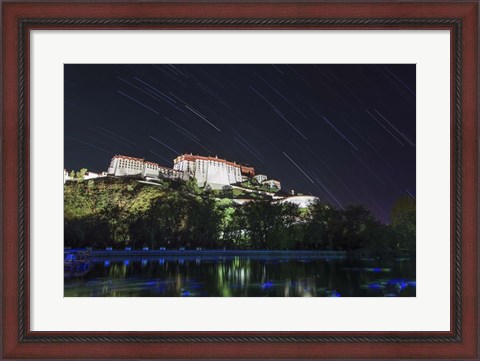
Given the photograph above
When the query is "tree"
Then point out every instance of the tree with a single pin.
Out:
(117, 220)
(113, 211)
(206, 221)
(324, 227)
(192, 186)
(357, 225)
(403, 222)
(287, 230)
(226, 192)
(380, 239)
(270, 225)
(316, 233)
(81, 174)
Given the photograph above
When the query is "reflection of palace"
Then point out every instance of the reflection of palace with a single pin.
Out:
(209, 172)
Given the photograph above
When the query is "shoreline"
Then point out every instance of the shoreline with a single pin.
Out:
(218, 253)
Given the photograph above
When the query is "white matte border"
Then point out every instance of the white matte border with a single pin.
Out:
(429, 311)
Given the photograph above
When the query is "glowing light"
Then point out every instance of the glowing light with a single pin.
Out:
(267, 284)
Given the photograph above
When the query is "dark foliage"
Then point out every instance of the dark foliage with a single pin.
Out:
(124, 212)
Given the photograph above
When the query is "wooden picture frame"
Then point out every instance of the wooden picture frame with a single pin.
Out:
(460, 18)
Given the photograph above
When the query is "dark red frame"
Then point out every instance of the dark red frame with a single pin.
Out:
(23, 344)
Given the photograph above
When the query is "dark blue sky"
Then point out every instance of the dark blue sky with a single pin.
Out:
(345, 133)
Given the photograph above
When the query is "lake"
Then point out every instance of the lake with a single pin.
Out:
(244, 276)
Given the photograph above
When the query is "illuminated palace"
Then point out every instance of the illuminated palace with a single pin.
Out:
(209, 172)
(122, 166)
(212, 172)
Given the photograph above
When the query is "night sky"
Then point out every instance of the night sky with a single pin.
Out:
(344, 133)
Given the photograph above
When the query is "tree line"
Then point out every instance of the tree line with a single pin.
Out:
(118, 212)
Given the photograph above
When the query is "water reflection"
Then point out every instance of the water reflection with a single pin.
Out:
(243, 276)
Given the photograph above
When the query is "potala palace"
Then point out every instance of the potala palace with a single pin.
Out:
(209, 172)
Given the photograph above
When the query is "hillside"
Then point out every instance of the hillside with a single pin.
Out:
(119, 212)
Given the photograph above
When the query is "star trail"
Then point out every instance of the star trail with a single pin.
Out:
(344, 133)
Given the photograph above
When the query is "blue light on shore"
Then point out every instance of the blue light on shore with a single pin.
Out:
(376, 270)
(334, 294)
(267, 284)
(376, 286)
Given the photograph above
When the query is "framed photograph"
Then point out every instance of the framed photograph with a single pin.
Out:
(240, 180)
